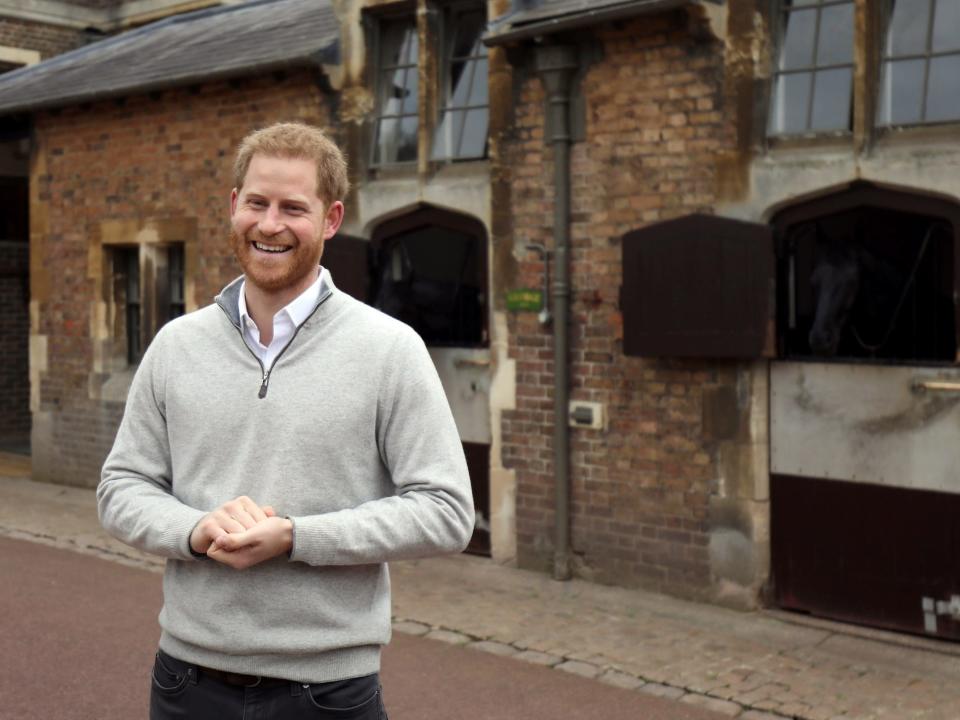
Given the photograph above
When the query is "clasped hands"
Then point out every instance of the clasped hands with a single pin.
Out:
(240, 534)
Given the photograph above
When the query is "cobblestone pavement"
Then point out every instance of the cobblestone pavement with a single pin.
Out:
(754, 666)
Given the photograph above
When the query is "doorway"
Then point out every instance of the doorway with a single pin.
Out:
(430, 271)
(864, 405)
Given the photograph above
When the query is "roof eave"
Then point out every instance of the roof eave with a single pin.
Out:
(581, 19)
(318, 59)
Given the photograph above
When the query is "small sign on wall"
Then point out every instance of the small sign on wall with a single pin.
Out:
(524, 300)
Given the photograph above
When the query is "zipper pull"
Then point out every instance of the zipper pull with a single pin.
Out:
(263, 386)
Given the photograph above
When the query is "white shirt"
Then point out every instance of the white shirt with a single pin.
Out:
(285, 322)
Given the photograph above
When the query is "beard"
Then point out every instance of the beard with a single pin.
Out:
(287, 270)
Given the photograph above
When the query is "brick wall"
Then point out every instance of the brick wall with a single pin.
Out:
(166, 156)
(640, 490)
(14, 333)
(48, 40)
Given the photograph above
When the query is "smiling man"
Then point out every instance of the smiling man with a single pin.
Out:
(278, 447)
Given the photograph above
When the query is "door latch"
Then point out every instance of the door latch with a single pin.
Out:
(933, 607)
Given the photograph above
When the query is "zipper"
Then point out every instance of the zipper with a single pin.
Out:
(265, 374)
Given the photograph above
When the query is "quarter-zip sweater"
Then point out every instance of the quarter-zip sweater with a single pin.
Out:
(348, 433)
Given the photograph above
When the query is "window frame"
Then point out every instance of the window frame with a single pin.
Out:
(444, 40)
(871, 19)
(882, 59)
(143, 303)
(777, 12)
(376, 22)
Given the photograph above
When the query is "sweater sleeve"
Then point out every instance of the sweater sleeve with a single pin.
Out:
(432, 509)
(135, 496)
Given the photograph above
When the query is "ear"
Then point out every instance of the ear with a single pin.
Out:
(334, 219)
(234, 195)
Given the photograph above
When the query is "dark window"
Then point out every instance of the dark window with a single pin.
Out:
(868, 274)
(920, 73)
(177, 305)
(126, 295)
(464, 100)
(395, 138)
(431, 274)
(813, 75)
(14, 222)
(148, 290)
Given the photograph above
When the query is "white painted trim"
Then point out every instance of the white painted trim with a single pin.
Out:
(18, 56)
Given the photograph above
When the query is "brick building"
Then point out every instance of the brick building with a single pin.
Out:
(678, 167)
(30, 33)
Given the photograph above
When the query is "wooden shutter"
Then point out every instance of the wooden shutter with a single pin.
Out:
(348, 260)
(698, 286)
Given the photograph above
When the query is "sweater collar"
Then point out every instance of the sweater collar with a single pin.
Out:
(229, 297)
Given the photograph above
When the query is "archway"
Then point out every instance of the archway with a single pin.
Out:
(864, 402)
(430, 271)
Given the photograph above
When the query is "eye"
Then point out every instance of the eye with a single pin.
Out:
(256, 202)
(295, 209)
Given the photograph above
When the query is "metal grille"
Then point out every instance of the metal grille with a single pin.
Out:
(462, 132)
(813, 77)
(920, 75)
(397, 93)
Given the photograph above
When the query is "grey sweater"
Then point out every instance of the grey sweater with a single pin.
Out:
(353, 440)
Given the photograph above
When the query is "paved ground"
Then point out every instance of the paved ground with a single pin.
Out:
(755, 666)
(85, 629)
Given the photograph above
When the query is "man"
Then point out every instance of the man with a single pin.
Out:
(278, 447)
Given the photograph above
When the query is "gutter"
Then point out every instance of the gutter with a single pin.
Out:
(557, 65)
(578, 20)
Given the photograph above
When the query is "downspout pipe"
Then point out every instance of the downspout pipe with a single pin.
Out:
(556, 65)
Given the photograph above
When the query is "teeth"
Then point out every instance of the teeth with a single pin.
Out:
(270, 248)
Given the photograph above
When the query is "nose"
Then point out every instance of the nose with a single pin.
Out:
(823, 341)
(270, 223)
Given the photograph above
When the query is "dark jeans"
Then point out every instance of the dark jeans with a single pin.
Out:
(181, 690)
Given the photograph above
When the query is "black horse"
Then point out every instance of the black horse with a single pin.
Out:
(866, 305)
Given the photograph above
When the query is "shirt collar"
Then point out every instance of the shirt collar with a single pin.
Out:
(299, 308)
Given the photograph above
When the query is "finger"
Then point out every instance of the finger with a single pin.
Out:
(257, 514)
(244, 517)
(228, 522)
(233, 541)
(269, 511)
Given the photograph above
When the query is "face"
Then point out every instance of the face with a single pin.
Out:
(279, 225)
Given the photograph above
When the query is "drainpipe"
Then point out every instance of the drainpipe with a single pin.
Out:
(556, 65)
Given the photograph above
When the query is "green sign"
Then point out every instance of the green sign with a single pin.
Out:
(524, 300)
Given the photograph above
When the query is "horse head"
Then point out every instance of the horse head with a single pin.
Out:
(835, 282)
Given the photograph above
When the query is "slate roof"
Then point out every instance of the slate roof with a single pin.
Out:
(543, 17)
(199, 46)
